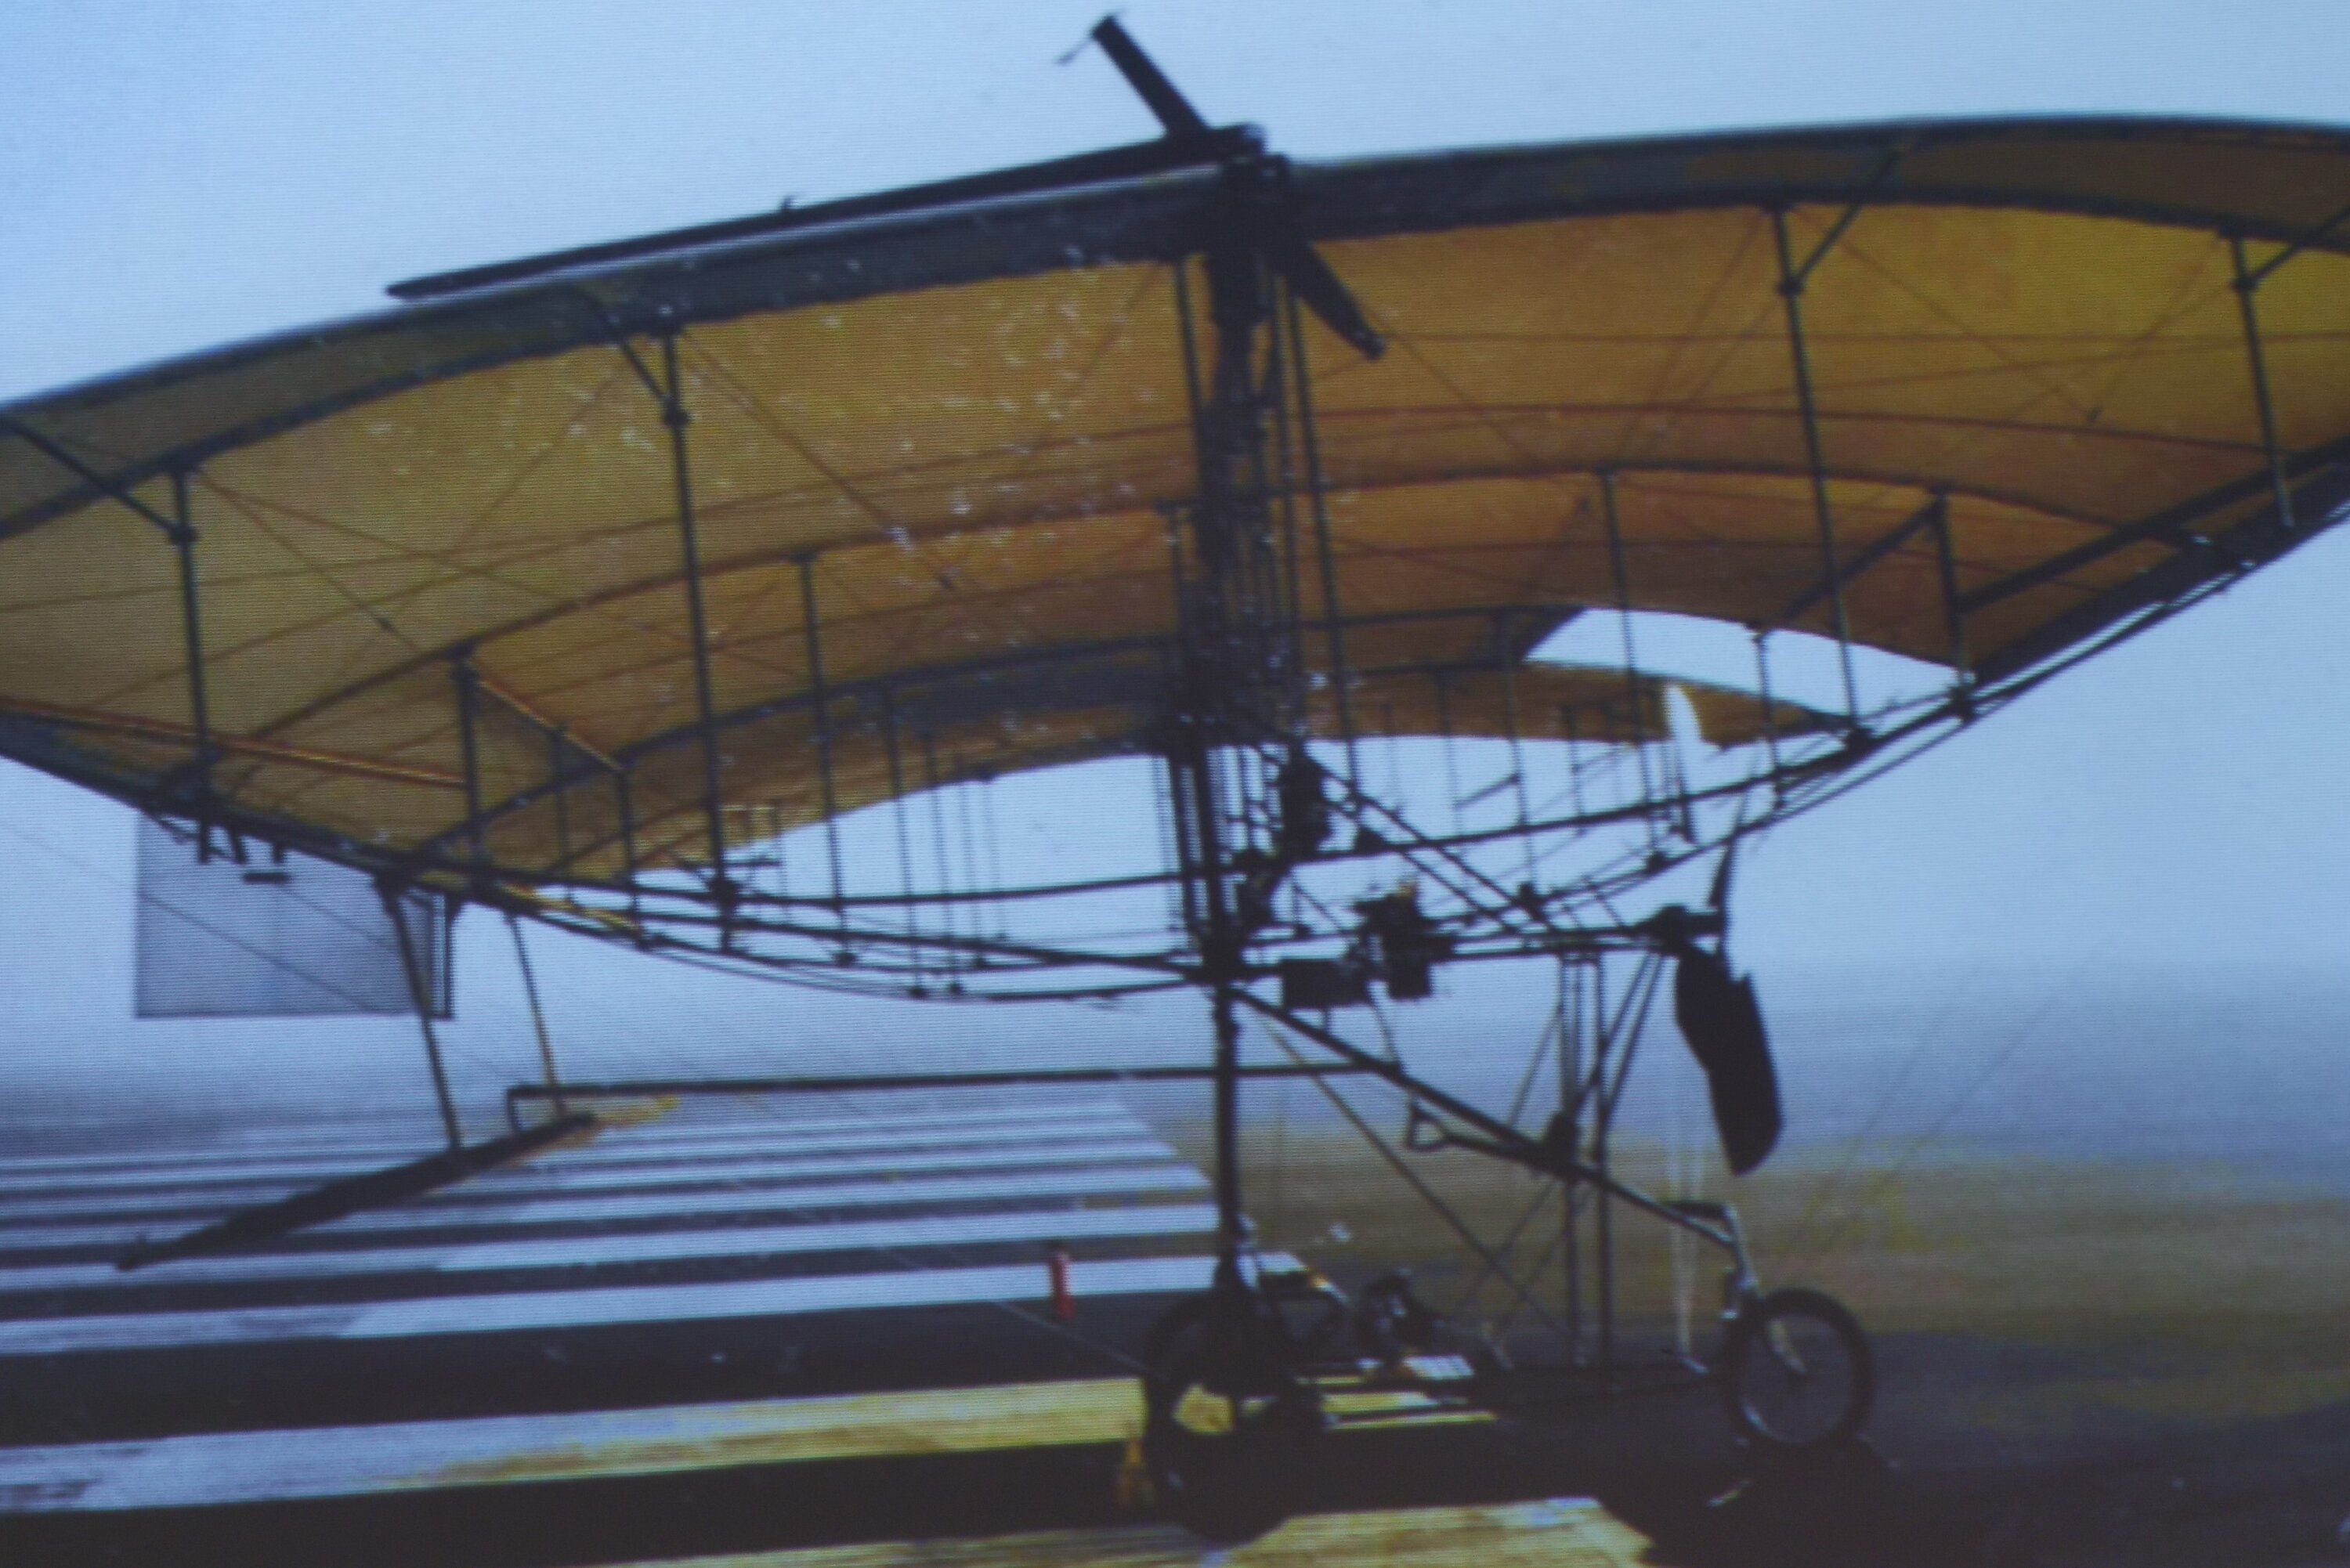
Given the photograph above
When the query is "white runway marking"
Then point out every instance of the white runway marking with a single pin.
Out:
(592, 1308)
(1079, 1183)
(666, 1246)
(196, 1175)
(746, 1173)
(327, 1159)
(850, 1213)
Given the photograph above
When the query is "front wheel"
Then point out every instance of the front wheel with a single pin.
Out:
(1796, 1371)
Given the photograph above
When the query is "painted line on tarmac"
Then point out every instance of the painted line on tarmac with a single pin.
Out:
(656, 1247)
(440, 1316)
(611, 1142)
(495, 1186)
(987, 1188)
(202, 1171)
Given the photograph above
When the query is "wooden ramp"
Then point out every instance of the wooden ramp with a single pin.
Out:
(1560, 1532)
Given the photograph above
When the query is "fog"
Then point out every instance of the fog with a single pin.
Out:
(2139, 875)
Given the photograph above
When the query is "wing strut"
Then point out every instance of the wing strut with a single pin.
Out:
(266, 1222)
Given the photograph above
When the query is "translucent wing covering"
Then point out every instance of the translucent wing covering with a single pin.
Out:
(1975, 394)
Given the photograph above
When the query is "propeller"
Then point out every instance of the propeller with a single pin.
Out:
(1722, 1022)
(1301, 266)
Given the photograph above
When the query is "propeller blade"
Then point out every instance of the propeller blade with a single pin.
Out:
(1318, 289)
(1298, 262)
(1722, 1022)
(1307, 275)
(1143, 75)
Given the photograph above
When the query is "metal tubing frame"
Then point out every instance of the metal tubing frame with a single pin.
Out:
(822, 709)
(562, 788)
(1621, 572)
(466, 684)
(182, 536)
(655, 1088)
(624, 801)
(1792, 283)
(890, 755)
(2246, 285)
(1954, 609)
(939, 846)
(1623, 1039)
(422, 1000)
(1770, 707)
(1570, 725)
(537, 1017)
(1517, 766)
(1570, 1122)
(1933, 514)
(1493, 1136)
(671, 389)
(1217, 613)
(1334, 625)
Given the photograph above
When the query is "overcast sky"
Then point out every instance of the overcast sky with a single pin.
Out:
(178, 176)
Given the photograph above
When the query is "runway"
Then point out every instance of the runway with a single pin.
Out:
(764, 1327)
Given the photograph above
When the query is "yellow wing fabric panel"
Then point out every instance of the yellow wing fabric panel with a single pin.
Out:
(978, 476)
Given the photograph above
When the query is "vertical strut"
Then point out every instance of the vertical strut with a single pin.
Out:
(1570, 1128)
(971, 879)
(1518, 767)
(818, 698)
(537, 1016)
(624, 800)
(2246, 285)
(1762, 690)
(1444, 728)
(1278, 372)
(192, 633)
(939, 844)
(1954, 609)
(1187, 868)
(1572, 727)
(420, 997)
(1333, 623)
(1791, 292)
(898, 821)
(1622, 573)
(468, 688)
(992, 827)
(1220, 954)
(1231, 608)
(562, 797)
(675, 415)
(1604, 1214)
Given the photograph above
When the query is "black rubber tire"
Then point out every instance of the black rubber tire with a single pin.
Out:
(1745, 1342)
(1229, 1486)
(1159, 1345)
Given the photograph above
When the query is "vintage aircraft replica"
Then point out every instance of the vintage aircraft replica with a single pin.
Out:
(569, 587)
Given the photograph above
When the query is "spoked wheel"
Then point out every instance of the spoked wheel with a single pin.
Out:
(1226, 1423)
(1796, 1371)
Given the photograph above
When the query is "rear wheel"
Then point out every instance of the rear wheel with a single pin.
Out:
(1227, 1424)
(1796, 1371)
